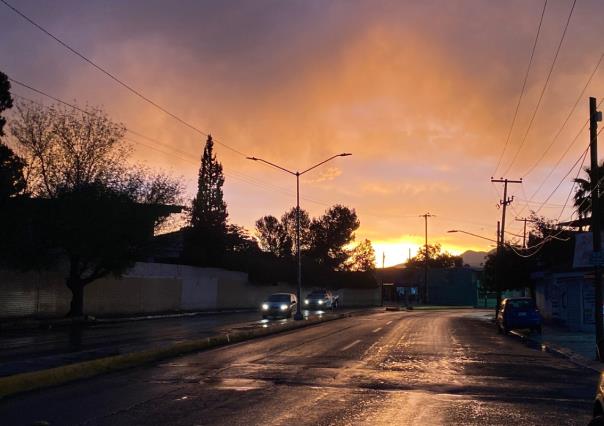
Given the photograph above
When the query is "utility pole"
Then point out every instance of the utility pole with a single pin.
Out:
(504, 203)
(524, 219)
(594, 117)
(382, 284)
(426, 257)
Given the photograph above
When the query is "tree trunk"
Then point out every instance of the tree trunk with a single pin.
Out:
(77, 297)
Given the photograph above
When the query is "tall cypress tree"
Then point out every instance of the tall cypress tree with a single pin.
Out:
(208, 213)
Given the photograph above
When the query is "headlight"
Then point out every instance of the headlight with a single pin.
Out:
(265, 307)
(284, 307)
(306, 301)
(320, 302)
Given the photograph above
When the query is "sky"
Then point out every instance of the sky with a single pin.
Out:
(422, 94)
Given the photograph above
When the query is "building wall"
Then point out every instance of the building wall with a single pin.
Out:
(149, 288)
(566, 299)
(453, 287)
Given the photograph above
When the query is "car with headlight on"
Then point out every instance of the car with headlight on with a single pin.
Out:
(279, 305)
(321, 299)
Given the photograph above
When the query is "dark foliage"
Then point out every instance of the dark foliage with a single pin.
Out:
(6, 101)
(436, 258)
(205, 241)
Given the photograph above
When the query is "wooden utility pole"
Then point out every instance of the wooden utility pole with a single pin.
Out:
(504, 203)
(426, 257)
(594, 117)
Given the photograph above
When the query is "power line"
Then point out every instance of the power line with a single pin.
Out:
(581, 157)
(117, 79)
(549, 74)
(528, 69)
(182, 155)
(570, 113)
(566, 151)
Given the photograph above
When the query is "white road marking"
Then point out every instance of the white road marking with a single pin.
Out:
(376, 330)
(389, 322)
(356, 342)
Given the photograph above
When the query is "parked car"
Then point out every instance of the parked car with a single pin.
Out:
(279, 305)
(517, 313)
(321, 299)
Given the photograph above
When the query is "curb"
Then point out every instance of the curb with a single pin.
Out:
(19, 383)
(573, 357)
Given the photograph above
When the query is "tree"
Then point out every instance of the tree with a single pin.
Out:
(272, 237)
(362, 257)
(91, 209)
(6, 101)
(582, 194)
(289, 224)
(12, 180)
(507, 271)
(205, 242)
(436, 258)
(330, 234)
(66, 148)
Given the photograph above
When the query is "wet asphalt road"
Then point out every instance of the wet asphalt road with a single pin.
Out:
(420, 368)
(23, 351)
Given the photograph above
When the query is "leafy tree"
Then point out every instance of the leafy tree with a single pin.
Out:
(6, 101)
(272, 237)
(436, 258)
(12, 180)
(330, 234)
(92, 209)
(507, 271)
(362, 257)
(289, 224)
(582, 194)
(238, 240)
(205, 241)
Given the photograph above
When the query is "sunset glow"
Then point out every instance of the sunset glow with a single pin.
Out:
(422, 97)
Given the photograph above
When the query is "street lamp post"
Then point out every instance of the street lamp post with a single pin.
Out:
(297, 174)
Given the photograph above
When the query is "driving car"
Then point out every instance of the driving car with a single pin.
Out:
(279, 305)
(321, 299)
(518, 313)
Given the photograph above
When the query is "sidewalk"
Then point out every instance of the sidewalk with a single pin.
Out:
(577, 346)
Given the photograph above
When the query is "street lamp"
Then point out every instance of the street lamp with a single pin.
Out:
(297, 174)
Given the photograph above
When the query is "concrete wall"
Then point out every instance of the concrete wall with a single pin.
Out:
(148, 288)
(566, 299)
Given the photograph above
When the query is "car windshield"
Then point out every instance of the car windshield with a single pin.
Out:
(520, 304)
(279, 298)
(317, 294)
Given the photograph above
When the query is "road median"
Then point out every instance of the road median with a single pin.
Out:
(23, 382)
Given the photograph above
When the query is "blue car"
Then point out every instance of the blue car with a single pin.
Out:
(517, 313)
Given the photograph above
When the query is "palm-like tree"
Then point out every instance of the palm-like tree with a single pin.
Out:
(583, 192)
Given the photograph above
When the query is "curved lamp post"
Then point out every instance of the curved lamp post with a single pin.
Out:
(297, 174)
